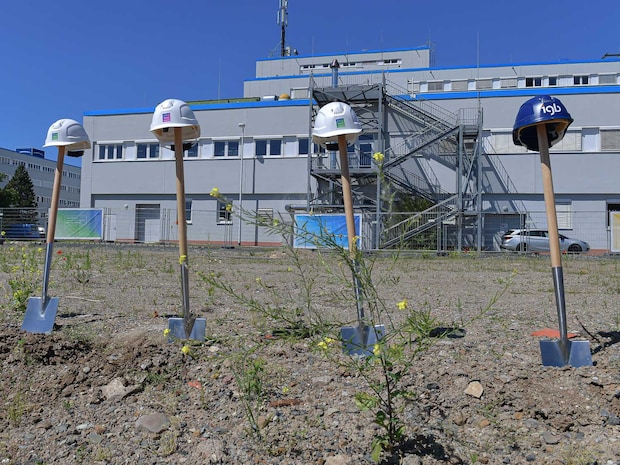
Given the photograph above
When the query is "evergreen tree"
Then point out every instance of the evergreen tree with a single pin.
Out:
(25, 200)
(7, 195)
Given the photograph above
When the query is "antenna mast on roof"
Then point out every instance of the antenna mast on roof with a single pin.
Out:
(283, 22)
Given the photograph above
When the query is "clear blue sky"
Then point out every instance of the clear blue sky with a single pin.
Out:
(64, 57)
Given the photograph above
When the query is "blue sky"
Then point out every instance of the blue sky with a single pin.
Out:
(64, 57)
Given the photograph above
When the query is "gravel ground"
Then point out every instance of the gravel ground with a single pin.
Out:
(107, 387)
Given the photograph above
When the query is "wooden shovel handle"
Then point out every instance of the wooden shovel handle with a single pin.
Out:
(552, 219)
(51, 223)
(181, 219)
(346, 192)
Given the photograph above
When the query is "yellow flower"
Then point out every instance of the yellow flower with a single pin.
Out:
(376, 350)
(166, 331)
(3, 233)
(325, 342)
(182, 259)
(186, 350)
(215, 192)
(285, 389)
(403, 304)
(378, 157)
(228, 207)
(258, 280)
(276, 222)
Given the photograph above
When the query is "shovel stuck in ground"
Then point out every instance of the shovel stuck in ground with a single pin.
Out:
(174, 123)
(69, 136)
(188, 327)
(541, 122)
(359, 339)
(337, 123)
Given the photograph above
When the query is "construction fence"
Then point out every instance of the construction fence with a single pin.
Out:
(466, 232)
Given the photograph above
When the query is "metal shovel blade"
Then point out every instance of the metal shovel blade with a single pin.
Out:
(360, 340)
(177, 329)
(577, 353)
(40, 315)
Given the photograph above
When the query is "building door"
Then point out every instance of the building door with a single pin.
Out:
(148, 222)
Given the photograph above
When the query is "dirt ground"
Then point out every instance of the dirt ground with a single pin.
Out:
(108, 387)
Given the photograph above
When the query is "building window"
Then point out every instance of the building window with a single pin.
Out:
(365, 142)
(553, 80)
(533, 82)
(304, 146)
(610, 140)
(275, 147)
(192, 151)
(484, 84)
(188, 211)
(608, 79)
(224, 213)
(580, 80)
(233, 148)
(459, 86)
(435, 86)
(265, 215)
(111, 152)
(147, 151)
(219, 148)
(571, 142)
(270, 147)
(261, 148)
(564, 214)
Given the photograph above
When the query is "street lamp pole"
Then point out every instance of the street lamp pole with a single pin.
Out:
(242, 126)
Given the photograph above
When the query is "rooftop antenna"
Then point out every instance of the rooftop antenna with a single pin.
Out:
(283, 22)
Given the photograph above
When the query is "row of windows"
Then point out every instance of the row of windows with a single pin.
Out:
(225, 213)
(206, 148)
(462, 85)
(577, 140)
(352, 64)
(42, 200)
(37, 167)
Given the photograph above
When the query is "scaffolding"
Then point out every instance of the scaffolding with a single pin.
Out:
(416, 137)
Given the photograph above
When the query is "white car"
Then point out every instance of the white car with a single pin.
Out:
(537, 240)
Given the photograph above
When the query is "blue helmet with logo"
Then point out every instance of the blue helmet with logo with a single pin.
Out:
(545, 110)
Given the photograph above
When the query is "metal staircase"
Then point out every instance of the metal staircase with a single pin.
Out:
(425, 137)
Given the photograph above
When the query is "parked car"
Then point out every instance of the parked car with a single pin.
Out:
(537, 240)
(24, 231)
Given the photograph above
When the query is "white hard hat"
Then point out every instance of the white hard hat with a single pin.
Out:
(333, 120)
(173, 113)
(67, 133)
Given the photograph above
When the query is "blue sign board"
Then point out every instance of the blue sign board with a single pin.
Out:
(324, 231)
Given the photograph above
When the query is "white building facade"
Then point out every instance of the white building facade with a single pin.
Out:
(470, 158)
(41, 172)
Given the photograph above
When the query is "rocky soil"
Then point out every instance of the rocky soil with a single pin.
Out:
(107, 387)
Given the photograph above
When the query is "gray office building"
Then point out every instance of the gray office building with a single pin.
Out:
(445, 135)
(41, 171)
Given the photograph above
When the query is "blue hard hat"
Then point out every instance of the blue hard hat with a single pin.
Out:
(545, 110)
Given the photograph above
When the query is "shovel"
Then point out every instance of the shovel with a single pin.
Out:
(41, 311)
(359, 339)
(563, 351)
(188, 327)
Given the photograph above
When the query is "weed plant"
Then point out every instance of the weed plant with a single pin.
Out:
(384, 367)
(23, 264)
